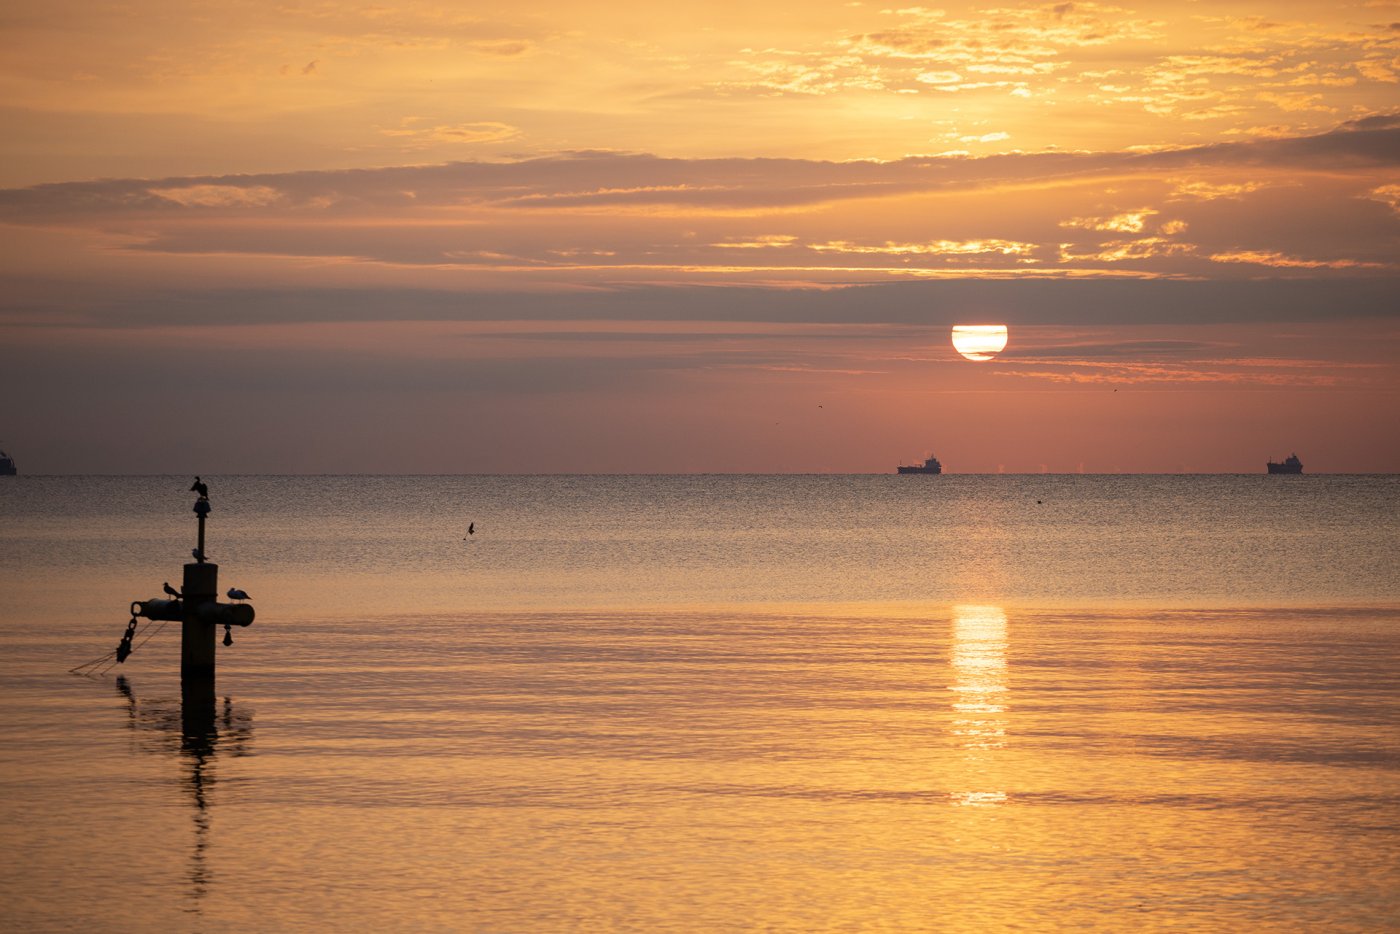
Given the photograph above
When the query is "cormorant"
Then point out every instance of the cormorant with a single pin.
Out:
(201, 488)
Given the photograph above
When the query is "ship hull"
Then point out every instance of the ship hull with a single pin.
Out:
(1285, 468)
(920, 469)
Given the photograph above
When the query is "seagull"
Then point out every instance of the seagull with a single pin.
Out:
(197, 554)
(200, 487)
(172, 591)
(235, 594)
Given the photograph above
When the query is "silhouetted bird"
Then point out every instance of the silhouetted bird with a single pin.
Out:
(235, 594)
(471, 528)
(172, 591)
(197, 554)
(200, 487)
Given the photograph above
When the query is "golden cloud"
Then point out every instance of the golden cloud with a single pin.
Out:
(219, 196)
(1126, 222)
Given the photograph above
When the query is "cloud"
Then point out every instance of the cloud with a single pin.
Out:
(612, 220)
(942, 302)
(762, 242)
(1209, 191)
(1127, 222)
(1083, 372)
(1118, 251)
(935, 248)
(482, 132)
(605, 177)
(1388, 195)
(219, 196)
(1115, 349)
(1279, 260)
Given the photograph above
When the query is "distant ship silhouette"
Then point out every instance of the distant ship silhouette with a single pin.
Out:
(1290, 465)
(929, 466)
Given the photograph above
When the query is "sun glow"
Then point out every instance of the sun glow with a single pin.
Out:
(979, 342)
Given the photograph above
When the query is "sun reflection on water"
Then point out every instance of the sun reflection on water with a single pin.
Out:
(980, 693)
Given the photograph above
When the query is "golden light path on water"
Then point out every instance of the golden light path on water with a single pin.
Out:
(978, 654)
(980, 342)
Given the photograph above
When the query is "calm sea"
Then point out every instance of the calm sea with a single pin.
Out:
(710, 703)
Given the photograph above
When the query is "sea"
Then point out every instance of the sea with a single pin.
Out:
(707, 703)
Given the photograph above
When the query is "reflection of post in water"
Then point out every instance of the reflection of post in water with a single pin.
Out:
(199, 738)
(198, 731)
(980, 693)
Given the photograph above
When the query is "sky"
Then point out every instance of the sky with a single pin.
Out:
(690, 237)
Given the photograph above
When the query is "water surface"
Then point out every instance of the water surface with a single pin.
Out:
(711, 703)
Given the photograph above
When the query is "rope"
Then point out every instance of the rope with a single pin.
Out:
(78, 670)
(100, 666)
(149, 637)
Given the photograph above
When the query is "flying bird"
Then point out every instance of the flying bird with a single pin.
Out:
(200, 487)
(471, 528)
(235, 594)
(172, 591)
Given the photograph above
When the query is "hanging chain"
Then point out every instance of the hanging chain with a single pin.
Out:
(124, 647)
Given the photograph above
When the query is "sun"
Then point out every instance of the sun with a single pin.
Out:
(979, 342)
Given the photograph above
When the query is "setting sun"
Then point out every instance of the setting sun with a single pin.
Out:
(979, 342)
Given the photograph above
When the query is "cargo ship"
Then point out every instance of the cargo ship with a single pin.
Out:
(929, 466)
(1290, 465)
(7, 465)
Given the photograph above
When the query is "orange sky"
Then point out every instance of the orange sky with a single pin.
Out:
(631, 237)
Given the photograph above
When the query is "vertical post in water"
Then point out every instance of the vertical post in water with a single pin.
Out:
(197, 641)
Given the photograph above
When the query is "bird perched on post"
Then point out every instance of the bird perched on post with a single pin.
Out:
(197, 555)
(200, 487)
(172, 591)
(235, 594)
